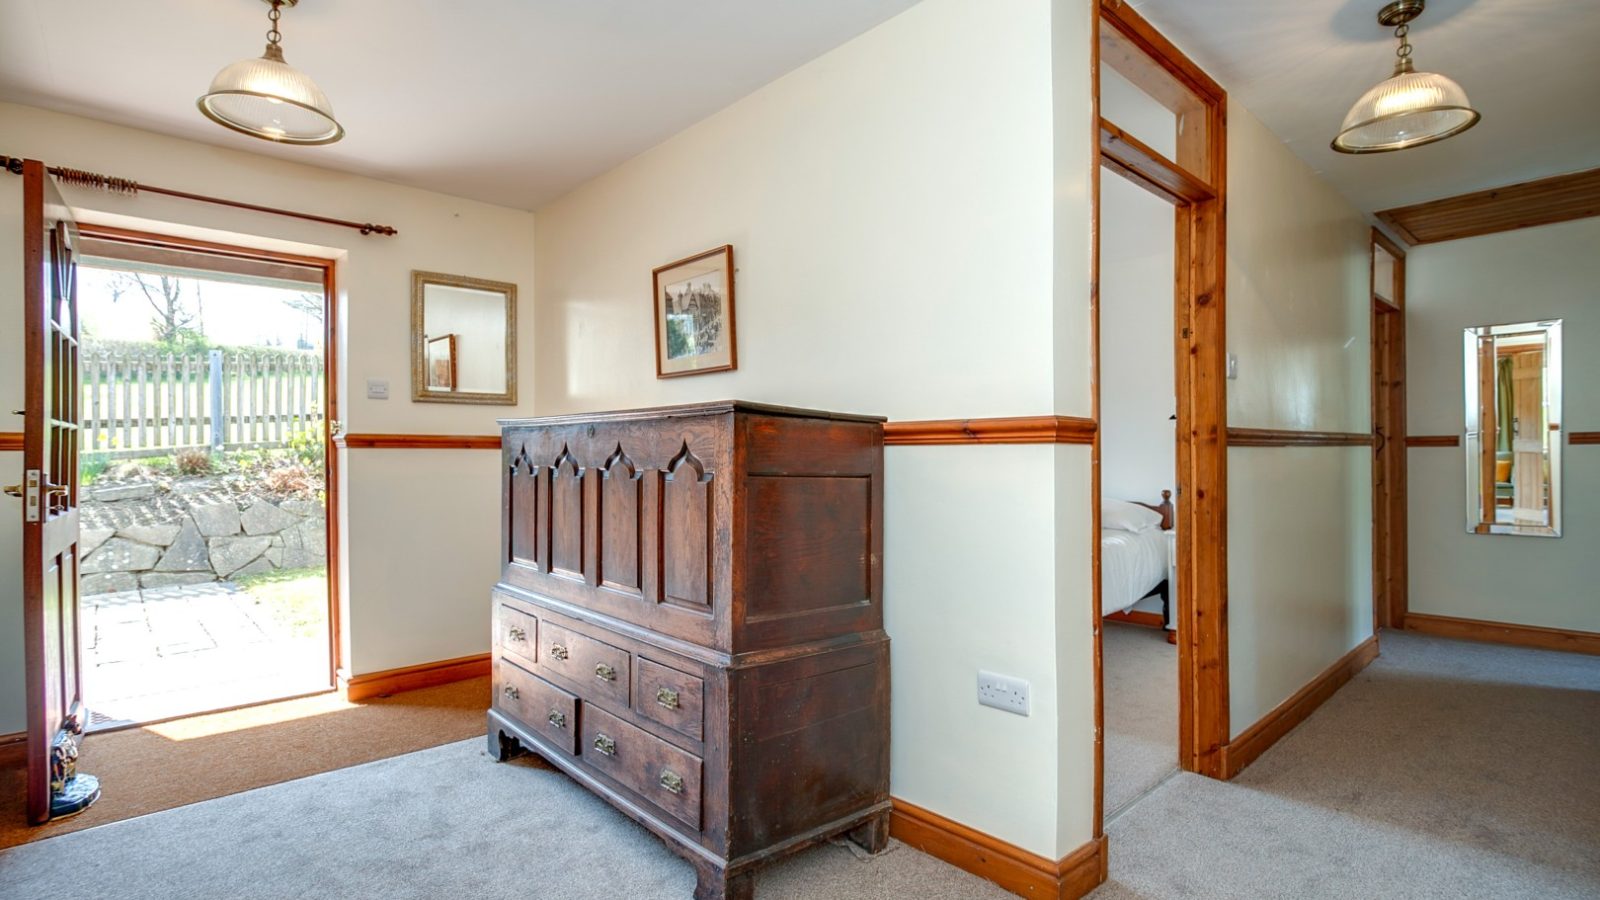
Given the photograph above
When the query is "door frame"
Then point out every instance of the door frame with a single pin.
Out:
(1390, 556)
(1200, 352)
(330, 399)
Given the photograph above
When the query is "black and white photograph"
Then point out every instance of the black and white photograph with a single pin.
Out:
(694, 314)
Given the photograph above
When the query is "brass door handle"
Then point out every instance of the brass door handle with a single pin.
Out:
(667, 698)
(672, 781)
(14, 490)
(605, 745)
(605, 672)
(558, 652)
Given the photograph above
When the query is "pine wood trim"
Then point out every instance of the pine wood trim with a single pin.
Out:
(1017, 430)
(1150, 169)
(1276, 437)
(14, 750)
(11, 441)
(1433, 440)
(1505, 633)
(1137, 617)
(417, 441)
(1017, 870)
(1254, 741)
(1583, 437)
(1560, 198)
(409, 678)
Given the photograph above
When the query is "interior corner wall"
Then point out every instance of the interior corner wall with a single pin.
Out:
(1533, 274)
(891, 211)
(394, 614)
(1299, 519)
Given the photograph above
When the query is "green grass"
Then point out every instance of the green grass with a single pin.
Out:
(296, 597)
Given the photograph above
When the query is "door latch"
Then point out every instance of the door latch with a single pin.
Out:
(28, 490)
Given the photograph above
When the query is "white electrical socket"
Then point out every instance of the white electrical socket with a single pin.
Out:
(377, 388)
(1002, 692)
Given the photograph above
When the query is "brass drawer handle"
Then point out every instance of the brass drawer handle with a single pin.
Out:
(511, 692)
(557, 719)
(605, 672)
(517, 634)
(672, 781)
(558, 652)
(605, 745)
(667, 698)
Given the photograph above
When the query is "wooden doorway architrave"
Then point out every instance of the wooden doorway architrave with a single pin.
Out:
(1389, 546)
(331, 394)
(1198, 193)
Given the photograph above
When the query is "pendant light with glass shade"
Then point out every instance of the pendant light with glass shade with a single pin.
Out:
(267, 98)
(1410, 108)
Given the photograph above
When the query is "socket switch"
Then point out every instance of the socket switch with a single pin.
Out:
(1002, 692)
(377, 388)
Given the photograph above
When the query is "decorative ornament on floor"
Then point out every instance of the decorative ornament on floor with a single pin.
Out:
(1410, 108)
(267, 98)
(71, 792)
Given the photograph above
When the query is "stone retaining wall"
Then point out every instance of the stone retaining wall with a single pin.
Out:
(200, 542)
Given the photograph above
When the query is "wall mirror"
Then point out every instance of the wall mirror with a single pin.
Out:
(463, 339)
(1513, 439)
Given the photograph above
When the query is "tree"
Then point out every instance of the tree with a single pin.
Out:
(174, 319)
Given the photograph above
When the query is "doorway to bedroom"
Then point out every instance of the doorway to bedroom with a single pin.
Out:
(1160, 401)
(1138, 479)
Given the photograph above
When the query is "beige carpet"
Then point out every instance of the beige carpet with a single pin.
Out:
(1445, 770)
(184, 761)
(1141, 711)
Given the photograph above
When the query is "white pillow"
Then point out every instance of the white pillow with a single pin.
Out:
(1125, 516)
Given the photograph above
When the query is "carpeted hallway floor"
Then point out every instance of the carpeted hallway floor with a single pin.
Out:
(1446, 769)
(1141, 711)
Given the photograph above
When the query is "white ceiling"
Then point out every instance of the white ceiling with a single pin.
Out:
(507, 101)
(1531, 67)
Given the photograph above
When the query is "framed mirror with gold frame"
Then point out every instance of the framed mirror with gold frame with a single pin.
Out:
(463, 339)
(1512, 379)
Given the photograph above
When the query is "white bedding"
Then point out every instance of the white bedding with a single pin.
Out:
(1131, 566)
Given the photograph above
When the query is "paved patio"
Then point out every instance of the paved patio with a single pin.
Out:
(164, 652)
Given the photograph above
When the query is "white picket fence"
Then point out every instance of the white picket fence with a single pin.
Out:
(143, 402)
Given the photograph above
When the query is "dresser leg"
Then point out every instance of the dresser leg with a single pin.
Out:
(502, 746)
(715, 884)
(873, 834)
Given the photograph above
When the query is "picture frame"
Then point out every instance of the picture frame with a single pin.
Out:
(442, 363)
(693, 299)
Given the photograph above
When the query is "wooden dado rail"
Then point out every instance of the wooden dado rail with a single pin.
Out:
(1019, 430)
(417, 441)
(11, 440)
(1275, 437)
(1433, 440)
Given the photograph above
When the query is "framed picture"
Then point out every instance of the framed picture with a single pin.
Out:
(694, 315)
(442, 363)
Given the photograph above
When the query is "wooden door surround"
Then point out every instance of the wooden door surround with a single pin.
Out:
(1195, 183)
(1388, 323)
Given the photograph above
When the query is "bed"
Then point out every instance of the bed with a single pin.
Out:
(1134, 560)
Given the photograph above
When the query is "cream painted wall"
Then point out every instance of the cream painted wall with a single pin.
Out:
(394, 508)
(899, 251)
(1138, 387)
(1516, 276)
(1299, 520)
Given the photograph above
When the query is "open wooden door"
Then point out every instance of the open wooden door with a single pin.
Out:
(49, 491)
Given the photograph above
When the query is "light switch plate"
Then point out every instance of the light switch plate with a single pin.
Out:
(1233, 367)
(377, 388)
(1002, 692)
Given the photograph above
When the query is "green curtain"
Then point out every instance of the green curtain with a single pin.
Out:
(1505, 409)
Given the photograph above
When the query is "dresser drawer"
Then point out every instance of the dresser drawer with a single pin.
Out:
(670, 697)
(595, 669)
(517, 634)
(546, 709)
(651, 767)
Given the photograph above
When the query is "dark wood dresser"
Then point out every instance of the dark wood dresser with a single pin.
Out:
(689, 622)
